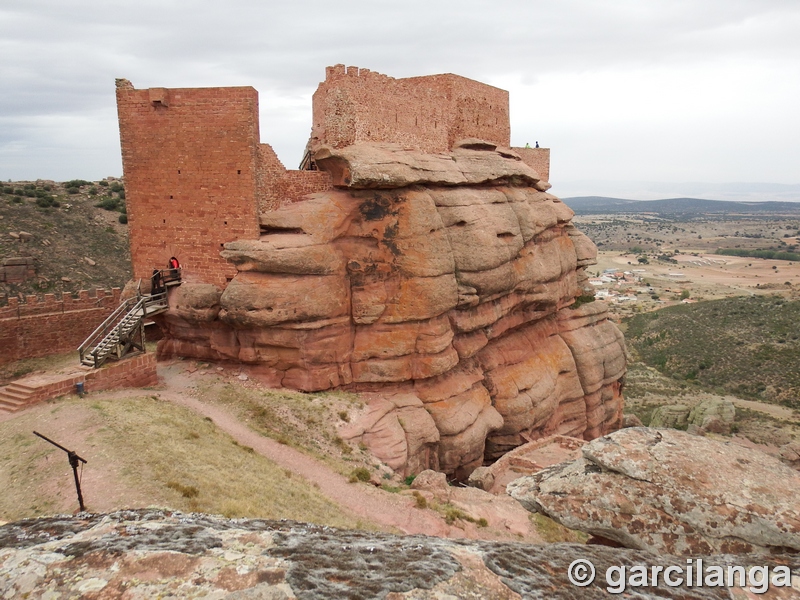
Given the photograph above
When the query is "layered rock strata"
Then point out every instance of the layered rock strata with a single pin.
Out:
(667, 491)
(445, 282)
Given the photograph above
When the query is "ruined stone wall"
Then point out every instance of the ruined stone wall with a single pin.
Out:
(17, 269)
(278, 185)
(269, 169)
(41, 327)
(426, 113)
(294, 185)
(190, 158)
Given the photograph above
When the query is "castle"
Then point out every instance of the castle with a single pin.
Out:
(414, 256)
(197, 174)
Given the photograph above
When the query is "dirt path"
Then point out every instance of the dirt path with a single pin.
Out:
(370, 504)
(375, 507)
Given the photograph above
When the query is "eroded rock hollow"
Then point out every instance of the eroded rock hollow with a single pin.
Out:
(446, 283)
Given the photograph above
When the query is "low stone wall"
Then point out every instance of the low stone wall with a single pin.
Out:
(136, 372)
(36, 327)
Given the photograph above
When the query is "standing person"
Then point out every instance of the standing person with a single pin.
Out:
(156, 283)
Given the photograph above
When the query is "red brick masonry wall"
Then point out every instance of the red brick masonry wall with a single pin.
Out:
(277, 185)
(136, 372)
(536, 158)
(428, 113)
(38, 328)
(190, 158)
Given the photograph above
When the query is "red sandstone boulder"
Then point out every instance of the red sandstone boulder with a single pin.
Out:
(380, 165)
(293, 254)
(260, 299)
(398, 431)
(450, 275)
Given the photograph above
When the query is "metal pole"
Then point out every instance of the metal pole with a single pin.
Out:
(74, 459)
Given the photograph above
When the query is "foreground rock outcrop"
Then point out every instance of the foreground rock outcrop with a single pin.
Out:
(443, 281)
(153, 553)
(670, 492)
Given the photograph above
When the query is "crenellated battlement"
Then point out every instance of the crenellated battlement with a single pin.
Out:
(33, 305)
(34, 326)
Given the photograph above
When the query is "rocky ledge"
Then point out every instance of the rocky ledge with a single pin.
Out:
(666, 491)
(156, 553)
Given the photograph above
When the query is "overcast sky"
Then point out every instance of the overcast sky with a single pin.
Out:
(636, 98)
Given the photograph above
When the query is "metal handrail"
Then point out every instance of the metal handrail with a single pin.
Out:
(110, 330)
(106, 326)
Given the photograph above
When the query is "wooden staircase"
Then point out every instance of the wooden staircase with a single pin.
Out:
(15, 396)
(122, 331)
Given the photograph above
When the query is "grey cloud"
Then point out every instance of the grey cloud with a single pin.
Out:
(61, 58)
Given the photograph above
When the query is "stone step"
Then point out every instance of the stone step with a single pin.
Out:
(21, 388)
(9, 406)
(14, 395)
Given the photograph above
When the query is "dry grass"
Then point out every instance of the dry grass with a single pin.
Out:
(554, 533)
(26, 366)
(306, 422)
(145, 452)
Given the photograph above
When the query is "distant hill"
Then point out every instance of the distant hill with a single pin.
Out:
(593, 205)
(75, 232)
(746, 346)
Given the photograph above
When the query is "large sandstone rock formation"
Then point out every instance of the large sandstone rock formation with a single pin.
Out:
(670, 492)
(156, 554)
(445, 282)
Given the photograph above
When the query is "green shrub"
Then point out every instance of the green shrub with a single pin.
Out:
(73, 190)
(108, 203)
(30, 193)
(19, 192)
(76, 183)
(123, 219)
(47, 201)
(117, 187)
(359, 474)
(104, 183)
